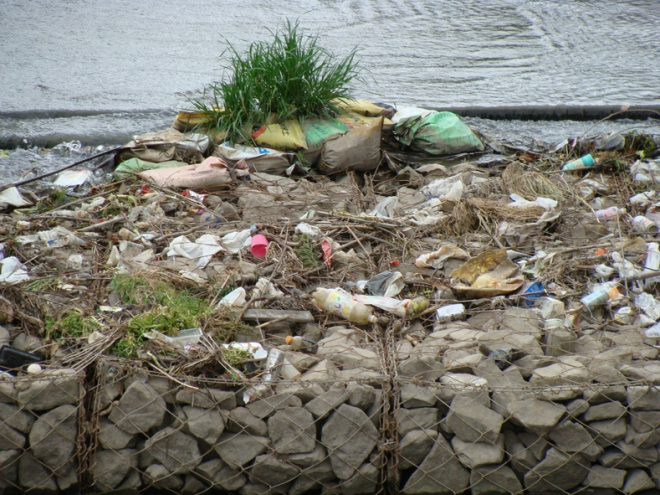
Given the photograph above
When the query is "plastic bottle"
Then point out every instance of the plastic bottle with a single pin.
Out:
(584, 162)
(609, 213)
(339, 302)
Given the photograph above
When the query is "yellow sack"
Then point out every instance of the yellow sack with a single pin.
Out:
(354, 119)
(362, 107)
(285, 136)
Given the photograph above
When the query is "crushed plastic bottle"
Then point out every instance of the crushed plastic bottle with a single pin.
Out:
(610, 213)
(341, 303)
(600, 296)
(404, 308)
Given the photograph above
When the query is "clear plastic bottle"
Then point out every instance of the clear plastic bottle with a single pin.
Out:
(339, 302)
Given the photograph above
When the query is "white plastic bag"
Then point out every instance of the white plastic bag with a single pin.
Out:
(13, 271)
(201, 251)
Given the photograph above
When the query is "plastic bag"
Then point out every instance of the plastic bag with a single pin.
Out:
(13, 271)
(287, 136)
(201, 251)
(439, 133)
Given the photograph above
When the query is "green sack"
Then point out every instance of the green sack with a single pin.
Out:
(439, 133)
(134, 166)
(318, 131)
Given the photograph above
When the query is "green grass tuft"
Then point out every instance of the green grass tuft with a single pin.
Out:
(72, 325)
(291, 77)
(170, 310)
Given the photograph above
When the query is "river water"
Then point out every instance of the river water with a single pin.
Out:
(99, 72)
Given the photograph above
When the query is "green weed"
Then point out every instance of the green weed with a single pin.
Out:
(290, 77)
(169, 310)
(70, 326)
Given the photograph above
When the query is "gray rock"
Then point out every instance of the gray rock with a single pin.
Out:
(307, 459)
(323, 373)
(536, 444)
(536, 415)
(321, 406)
(112, 437)
(364, 482)
(573, 438)
(304, 391)
(158, 476)
(655, 473)
(205, 424)
(576, 408)
(145, 459)
(237, 449)
(133, 481)
(220, 475)
(415, 446)
(175, 450)
(272, 471)
(139, 410)
(242, 421)
(207, 399)
(264, 408)
(4, 333)
(643, 397)
(362, 396)
(522, 458)
(416, 396)
(112, 466)
(163, 387)
(301, 361)
(313, 478)
(440, 473)
(637, 480)
(423, 418)
(645, 456)
(557, 471)
(350, 436)
(598, 393)
(8, 393)
(374, 412)
(605, 411)
(192, 486)
(494, 480)
(16, 418)
(561, 381)
(33, 475)
(476, 454)
(645, 421)
(424, 368)
(9, 467)
(51, 390)
(472, 422)
(10, 438)
(53, 436)
(292, 431)
(648, 439)
(602, 477)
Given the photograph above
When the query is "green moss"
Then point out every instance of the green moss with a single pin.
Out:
(307, 251)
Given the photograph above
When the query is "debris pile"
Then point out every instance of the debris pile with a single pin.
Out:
(354, 314)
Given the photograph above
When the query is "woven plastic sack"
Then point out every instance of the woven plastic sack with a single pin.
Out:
(438, 133)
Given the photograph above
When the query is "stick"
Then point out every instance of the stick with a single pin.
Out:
(48, 174)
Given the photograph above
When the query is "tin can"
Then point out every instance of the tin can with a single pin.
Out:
(583, 162)
(610, 213)
(643, 224)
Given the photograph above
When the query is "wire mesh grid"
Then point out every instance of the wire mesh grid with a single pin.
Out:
(42, 426)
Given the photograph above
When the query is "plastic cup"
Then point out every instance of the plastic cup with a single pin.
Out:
(259, 245)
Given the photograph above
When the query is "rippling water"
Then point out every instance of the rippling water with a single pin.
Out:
(102, 71)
